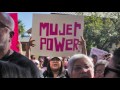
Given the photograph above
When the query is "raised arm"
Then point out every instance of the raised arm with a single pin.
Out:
(83, 44)
(28, 49)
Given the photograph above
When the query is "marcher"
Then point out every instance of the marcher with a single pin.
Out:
(55, 68)
(80, 66)
(100, 67)
(6, 54)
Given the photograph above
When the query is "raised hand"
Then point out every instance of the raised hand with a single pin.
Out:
(31, 42)
(83, 44)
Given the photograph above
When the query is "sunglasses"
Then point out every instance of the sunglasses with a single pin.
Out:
(107, 69)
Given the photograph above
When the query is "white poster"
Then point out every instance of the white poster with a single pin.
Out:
(56, 35)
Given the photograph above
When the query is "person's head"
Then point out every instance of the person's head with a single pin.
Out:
(100, 67)
(95, 58)
(32, 57)
(11, 70)
(55, 63)
(41, 59)
(113, 68)
(65, 62)
(46, 61)
(80, 66)
(6, 31)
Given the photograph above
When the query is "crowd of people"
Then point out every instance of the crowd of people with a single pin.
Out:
(16, 65)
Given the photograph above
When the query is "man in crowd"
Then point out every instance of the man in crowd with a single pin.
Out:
(6, 54)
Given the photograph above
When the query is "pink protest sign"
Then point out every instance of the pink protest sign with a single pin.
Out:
(14, 44)
(100, 53)
(56, 35)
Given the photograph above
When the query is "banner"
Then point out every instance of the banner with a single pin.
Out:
(100, 53)
(56, 35)
(14, 44)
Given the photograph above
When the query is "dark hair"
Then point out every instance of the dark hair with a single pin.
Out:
(11, 34)
(31, 68)
(48, 72)
(39, 58)
(117, 52)
(116, 60)
(32, 56)
(11, 70)
(94, 56)
(45, 63)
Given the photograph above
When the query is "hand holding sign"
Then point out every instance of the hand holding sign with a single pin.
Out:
(19, 46)
(31, 42)
(28, 53)
(83, 44)
(98, 52)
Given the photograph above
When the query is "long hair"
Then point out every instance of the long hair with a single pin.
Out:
(45, 63)
(49, 73)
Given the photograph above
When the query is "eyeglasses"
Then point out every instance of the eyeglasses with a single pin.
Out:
(107, 69)
(3, 26)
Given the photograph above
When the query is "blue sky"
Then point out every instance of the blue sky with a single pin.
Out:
(26, 18)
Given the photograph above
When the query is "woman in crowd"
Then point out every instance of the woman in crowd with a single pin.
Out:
(100, 67)
(41, 61)
(55, 69)
(45, 63)
(80, 66)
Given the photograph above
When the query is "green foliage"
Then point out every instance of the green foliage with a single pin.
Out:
(21, 27)
(101, 32)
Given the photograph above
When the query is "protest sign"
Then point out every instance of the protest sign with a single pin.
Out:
(56, 35)
(100, 53)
